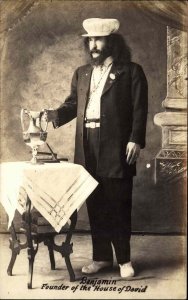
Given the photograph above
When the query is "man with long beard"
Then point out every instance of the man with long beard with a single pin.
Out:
(109, 99)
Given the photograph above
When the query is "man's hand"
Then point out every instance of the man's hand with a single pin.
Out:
(51, 115)
(132, 152)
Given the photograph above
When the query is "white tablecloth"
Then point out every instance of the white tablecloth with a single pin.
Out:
(56, 190)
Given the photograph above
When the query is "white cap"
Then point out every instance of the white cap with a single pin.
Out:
(100, 27)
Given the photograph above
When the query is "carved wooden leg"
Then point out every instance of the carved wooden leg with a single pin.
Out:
(70, 268)
(67, 244)
(73, 219)
(31, 252)
(31, 262)
(11, 263)
(49, 243)
(15, 247)
(66, 248)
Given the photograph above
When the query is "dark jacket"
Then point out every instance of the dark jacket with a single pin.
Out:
(124, 106)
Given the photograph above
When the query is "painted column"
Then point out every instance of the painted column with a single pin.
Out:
(170, 162)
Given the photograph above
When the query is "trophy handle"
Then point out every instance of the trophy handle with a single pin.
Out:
(40, 118)
(23, 111)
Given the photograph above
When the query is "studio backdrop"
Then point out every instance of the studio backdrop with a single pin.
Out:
(41, 46)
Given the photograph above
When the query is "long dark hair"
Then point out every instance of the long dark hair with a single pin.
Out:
(117, 46)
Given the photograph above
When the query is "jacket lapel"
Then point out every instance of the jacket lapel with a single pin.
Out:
(85, 82)
(113, 76)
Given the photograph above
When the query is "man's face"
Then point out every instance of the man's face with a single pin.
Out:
(98, 49)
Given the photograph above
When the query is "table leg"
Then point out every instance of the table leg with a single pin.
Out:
(73, 219)
(15, 246)
(31, 251)
(49, 242)
(70, 268)
(66, 248)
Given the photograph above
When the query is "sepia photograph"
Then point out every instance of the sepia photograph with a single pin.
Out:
(93, 171)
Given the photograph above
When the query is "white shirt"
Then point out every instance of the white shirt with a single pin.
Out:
(98, 80)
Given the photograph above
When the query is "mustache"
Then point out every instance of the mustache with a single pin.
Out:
(95, 51)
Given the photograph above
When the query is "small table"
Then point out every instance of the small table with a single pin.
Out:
(56, 191)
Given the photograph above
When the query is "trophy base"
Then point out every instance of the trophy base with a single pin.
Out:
(41, 157)
(36, 162)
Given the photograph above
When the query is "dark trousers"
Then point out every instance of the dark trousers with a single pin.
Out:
(109, 208)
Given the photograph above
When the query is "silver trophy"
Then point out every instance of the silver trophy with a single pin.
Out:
(34, 126)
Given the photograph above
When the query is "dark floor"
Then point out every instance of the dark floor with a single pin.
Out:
(158, 262)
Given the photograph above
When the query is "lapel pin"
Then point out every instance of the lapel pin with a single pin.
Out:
(112, 76)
